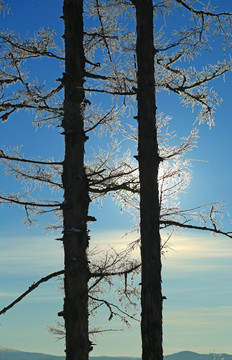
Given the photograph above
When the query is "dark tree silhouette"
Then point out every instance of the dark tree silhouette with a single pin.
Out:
(124, 70)
(75, 184)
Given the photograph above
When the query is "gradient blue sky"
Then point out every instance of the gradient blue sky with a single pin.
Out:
(197, 271)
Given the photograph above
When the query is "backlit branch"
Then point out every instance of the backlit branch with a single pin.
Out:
(3, 155)
(104, 273)
(201, 13)
(29, 48)
(195, 227)
(13, 199)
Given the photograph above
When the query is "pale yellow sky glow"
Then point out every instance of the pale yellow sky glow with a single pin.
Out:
(45, 252)
(197, 253)
(200, 246)
(197, 276)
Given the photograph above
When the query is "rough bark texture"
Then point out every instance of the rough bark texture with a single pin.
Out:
(75, 184)
(148, 157)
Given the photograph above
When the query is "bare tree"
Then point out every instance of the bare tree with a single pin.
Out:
(75, 184)
(148, 159)
(48, 108)
(107, 59)
(180, 81)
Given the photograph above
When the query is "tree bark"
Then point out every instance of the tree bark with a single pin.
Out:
(75, 206)
(148, 157)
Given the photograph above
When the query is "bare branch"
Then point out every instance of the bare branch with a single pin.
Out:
(202, 12)
(102, 120)
(195, 227)
(30, 289)
(12, 199)
(111, 306)
(114, 273)
(35, 52)
(123, 93)
(36, 162)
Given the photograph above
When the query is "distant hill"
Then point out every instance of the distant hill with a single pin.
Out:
(11, 354)
(189, 355)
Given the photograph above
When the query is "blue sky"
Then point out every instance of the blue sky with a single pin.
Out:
(197, 270)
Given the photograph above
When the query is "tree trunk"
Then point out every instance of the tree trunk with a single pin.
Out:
(75, 207)
(148, 157)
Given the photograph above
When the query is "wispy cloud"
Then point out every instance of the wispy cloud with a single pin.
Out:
(187, 254)
(7, 294)
(194, 254)
(30, 255)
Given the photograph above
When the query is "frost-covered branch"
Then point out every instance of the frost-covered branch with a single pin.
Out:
(3, 155)
(8, 199)
(202, 13)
